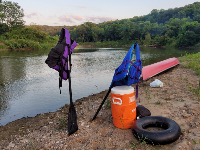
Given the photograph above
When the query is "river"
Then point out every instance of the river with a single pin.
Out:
(29, 87)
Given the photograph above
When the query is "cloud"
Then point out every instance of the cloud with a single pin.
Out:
(53, 16)
(65, 19)
(76, 17)
(31, 15)
(81, 6)
(99, 19)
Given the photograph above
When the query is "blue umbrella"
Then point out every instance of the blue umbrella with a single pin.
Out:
(127, 73)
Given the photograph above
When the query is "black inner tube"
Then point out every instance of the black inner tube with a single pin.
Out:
(156, 124)
(170, 133)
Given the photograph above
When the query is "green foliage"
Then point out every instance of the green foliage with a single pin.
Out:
(178, 27)
(11, 14)
(21, 43)
(189, 38)
(28, 38)
(3, 47)
(189, 34)
(3, 28)
(193, 62)
(198, 44)
(26, 33)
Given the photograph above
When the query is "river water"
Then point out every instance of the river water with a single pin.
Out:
(29, 87)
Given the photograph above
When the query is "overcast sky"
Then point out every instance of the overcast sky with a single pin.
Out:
(76, 12)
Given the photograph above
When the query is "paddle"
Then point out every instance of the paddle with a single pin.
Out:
(72, 116)
(103, 102)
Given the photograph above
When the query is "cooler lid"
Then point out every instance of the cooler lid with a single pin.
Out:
(121, 90)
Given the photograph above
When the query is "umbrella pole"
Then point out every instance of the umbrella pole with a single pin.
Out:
(109, 90)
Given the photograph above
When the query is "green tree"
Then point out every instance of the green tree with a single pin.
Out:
(3, 28)
(182, 14)
(97, 32)
(197, 18)
(160, 27)
(81, 31)
(11, 14)
(174, 26)
(189, 38)
(2, 15)
(189, 34)
(126, 31)
(147, 38)
(112, 31)
(144, 28)
(157, 29)
(88, 35)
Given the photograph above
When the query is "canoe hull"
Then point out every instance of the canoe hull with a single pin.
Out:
(156, 68)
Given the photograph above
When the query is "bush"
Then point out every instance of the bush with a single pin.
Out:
(29, 34)
(28, 38)
(21, 43)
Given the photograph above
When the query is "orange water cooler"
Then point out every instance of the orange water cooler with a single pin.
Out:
(123, 106)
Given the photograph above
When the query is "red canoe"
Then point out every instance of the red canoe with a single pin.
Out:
(154, 69)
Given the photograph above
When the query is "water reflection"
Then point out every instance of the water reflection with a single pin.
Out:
(28, 86)
(12, 69)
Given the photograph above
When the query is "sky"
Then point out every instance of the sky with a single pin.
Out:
(76, 12)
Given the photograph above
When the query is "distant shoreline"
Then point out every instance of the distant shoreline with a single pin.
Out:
(92, 45)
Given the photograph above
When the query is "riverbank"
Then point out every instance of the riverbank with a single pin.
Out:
(112, 44)
(176, 100)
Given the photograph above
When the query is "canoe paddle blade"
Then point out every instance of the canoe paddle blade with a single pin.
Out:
(72, 120)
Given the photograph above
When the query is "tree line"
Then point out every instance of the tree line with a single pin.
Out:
(178, 27)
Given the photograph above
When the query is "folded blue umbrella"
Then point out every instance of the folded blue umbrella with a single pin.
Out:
(127, 73)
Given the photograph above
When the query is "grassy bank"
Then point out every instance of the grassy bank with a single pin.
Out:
(27, 38)
(115, 44)
(192, 61)
(3, 46)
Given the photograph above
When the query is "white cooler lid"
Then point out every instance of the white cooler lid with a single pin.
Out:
(122, 90)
